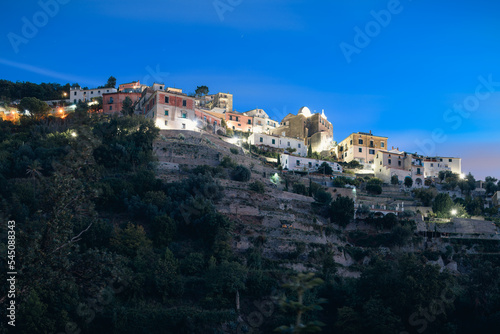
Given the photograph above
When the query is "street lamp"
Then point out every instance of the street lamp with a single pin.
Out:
(454, 212)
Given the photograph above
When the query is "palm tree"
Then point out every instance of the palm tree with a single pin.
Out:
(34, 171)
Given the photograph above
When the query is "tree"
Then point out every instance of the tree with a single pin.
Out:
(128, 107)
(111, 82)
(342, 211)
(325, 168)
(309, 151)
(442, 204)
(201, 90)
(37, 109)
(394, 180)
(299, 285)
(374, 186)
(241, 173)
(408, 182)
(425, 195)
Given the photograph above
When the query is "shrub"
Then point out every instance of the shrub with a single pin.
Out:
(181, 136)
(227, 162)
(375, 189)
(234, 150)
(394, 180)
(299, 188)
(258, 187)
(241, 173)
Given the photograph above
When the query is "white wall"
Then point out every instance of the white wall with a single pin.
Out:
(291, 162)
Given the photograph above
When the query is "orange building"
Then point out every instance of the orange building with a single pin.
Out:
(239, 122)
(113, 102)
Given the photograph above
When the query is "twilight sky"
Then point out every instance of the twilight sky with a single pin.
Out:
(424, 73)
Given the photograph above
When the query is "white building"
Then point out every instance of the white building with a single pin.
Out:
(433, 165)
(400, 164)
(293, 163)
(261, 121)
(77, 94)
(170, 110)
(286, 143)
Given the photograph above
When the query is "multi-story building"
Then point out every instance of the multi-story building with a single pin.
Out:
(401, 164)
(261, 121)
(238, 121)
(306, 125)
(113, 102)
(170, 109)
(277, 142)
(360, 146)
(290, 162)
(433, 165)
(77, 94)
(223, 100)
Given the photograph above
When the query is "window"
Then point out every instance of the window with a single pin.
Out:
(261, 139)
(288, 144)
(372, 152)
(239, 124)
(107, 91)
(98, 92)
(389, 161)
(299, 145)
(74, 94)
(110, 107)
(310, 164)
(399, 163)
(298, 162)
(92, 92)
(351, 141)
(111, 100)
(167, 100)
(237, 119)
(273, 141)
(432, 165)
(74, 101)
(166, 122)
(184, 103)
(249, 121)
(371, 143)
(166, 112)
(184, 115)
(360, 141)
(233, 127)
(183, 125)
(382, 144)
(360, 150)
(161, 87)
(449, 160)
(230, 117)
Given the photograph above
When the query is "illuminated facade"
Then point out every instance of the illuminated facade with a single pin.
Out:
(360, 146)
(170, 110)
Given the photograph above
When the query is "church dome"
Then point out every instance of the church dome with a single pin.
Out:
(304, 111)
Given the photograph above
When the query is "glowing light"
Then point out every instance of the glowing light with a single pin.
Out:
(61, 110)
(462, 176)
(275, 178)
(454, 212)
(74, 134)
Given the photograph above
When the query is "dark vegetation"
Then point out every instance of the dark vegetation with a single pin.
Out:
(103, 246)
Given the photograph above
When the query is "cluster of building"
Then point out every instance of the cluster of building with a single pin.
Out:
(170, 108)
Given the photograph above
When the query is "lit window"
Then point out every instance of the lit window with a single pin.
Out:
(372, 152)
(382, 144)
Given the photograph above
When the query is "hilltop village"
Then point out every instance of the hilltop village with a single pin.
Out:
(201, 210)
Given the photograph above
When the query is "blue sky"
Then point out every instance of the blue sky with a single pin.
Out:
(281, 55)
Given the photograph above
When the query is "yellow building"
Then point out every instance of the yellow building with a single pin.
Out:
(360, 146)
